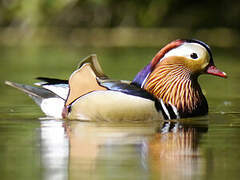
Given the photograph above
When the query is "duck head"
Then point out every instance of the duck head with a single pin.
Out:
(172, 75)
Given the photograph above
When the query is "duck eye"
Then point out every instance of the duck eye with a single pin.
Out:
(194, 56)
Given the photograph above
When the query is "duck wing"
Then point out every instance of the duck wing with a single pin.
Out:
(57, 86)
(127, 88)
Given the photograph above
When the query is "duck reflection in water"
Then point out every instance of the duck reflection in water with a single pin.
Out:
(174, 152)
(131, 150)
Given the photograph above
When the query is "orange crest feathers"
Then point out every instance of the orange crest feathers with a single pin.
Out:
(164, 50)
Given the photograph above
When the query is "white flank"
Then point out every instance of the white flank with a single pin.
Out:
(113, 106)
(53, 107)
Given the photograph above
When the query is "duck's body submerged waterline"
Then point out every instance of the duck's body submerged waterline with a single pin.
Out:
(167, 88)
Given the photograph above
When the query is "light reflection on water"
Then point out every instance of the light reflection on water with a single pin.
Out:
(74, 149)
(54, 145)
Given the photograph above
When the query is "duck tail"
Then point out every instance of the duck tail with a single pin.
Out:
(37, 93)
(45, 98)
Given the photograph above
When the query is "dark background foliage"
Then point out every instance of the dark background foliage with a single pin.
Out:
(112, 13)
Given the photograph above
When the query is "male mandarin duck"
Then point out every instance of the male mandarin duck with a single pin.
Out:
(167, 88)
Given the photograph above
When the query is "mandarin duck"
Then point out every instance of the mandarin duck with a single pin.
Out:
(166, 88)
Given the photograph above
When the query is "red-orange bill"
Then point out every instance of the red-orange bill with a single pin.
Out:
(216, 72)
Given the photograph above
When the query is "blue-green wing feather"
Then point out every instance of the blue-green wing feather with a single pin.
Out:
(127, 88)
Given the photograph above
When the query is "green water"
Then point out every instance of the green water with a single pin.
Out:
(33, 147)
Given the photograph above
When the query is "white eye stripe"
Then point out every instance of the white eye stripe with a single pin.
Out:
(189, 50)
